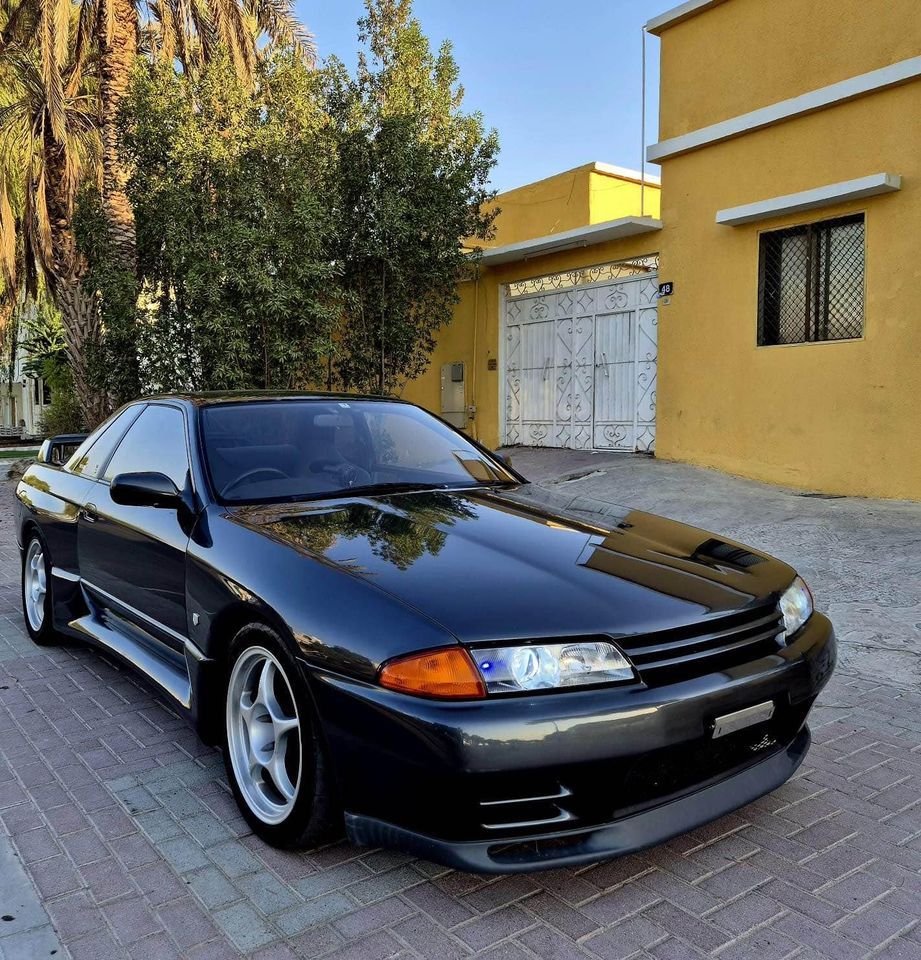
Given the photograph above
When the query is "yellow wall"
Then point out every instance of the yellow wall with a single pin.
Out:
(837, 417)
(612, 197)
(745, 54)
(572, 199)
(552, 205)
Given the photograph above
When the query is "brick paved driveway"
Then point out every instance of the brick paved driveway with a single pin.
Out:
(119, 838)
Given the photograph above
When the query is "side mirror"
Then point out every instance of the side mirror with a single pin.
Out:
(145, 490)
(502, 458)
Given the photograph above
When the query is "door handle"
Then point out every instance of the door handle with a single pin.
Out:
(88, 512)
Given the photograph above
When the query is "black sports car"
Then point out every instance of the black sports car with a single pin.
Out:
(385, 626)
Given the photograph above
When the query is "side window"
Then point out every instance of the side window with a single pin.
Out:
(90, 457)
(811, 282)
(155, 442)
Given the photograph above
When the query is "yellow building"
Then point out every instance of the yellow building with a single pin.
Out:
(791, 163)
(553, 342)
(789, 342)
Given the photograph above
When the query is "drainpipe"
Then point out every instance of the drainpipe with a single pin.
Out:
(643, 129)
(474, 426)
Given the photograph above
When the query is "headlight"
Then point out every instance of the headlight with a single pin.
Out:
(549, 665)
(796, 606)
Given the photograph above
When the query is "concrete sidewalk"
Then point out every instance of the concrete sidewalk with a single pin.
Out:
(119, 838)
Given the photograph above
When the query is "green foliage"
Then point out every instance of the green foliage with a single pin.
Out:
(301, 230)
(44, 345)
(231, 196)
(112, 358)
(413, 172)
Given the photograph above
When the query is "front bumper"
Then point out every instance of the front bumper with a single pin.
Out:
(527, 783)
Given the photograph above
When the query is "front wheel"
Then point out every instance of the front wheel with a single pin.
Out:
(272, 750)
(36, 595)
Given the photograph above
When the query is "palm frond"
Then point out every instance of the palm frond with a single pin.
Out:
(49, 47)
(277, 20)
(89, 13)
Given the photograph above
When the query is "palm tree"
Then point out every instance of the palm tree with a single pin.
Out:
(48, 143)
(185, 31)
(47, 60)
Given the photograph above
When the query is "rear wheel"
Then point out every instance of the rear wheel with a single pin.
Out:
(273, 754)
(36, 592)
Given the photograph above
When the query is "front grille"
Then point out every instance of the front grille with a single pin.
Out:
(683, 653)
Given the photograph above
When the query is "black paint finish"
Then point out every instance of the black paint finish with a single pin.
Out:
(354, 581)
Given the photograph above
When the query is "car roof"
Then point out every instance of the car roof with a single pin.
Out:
(214, 397)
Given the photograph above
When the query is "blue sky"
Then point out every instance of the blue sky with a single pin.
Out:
(559, 81)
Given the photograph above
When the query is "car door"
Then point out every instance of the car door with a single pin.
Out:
(133, 559)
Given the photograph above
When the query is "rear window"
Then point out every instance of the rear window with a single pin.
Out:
(91, 456)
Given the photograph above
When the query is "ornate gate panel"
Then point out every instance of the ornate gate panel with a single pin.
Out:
(580, 359)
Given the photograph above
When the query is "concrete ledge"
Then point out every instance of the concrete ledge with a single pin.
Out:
(840, 92)
(871, 186)
(568, 239)
(683, 11)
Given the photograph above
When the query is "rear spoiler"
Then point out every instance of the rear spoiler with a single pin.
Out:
(58, 450)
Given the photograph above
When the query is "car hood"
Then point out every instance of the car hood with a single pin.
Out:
(527, 562)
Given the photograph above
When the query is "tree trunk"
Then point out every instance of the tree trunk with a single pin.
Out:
(80, 317)
(79, 310)
(118, 50)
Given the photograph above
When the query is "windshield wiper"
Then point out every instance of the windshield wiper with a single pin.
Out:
(374, 489)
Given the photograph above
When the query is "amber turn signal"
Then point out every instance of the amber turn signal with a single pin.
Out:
(447, 674)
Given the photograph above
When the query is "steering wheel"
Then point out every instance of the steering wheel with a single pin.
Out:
(272, 471)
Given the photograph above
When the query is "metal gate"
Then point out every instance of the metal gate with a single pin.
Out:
(580, 362)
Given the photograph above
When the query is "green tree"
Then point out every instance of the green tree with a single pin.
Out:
(231, 192)
(70, 41)
(44, 348)
(48, 145)
(413, 180)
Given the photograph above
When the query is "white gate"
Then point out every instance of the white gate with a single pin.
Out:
(580, 364)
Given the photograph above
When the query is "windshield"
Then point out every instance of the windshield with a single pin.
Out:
(264, 452)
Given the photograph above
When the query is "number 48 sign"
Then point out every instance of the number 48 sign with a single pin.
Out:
(666, 289)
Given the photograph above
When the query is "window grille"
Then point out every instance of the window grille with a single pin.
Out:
(811, 284)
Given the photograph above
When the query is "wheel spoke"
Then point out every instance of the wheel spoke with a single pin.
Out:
(283, 725)
(266, 690)
(279, 774)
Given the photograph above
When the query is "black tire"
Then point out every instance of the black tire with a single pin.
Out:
(44, 635)
(315, 816)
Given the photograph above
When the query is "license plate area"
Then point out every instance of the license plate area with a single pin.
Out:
(742, 719)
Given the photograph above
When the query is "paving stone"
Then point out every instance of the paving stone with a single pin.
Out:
(182, 855)
(428, 939)
(374, 917)
(483, 931)
(627, 937)
(40, 943)
(267, 892)
(213, 888)
(333, 878)
(245, 928)
(131, 920)
(233, 858)
(314, 912)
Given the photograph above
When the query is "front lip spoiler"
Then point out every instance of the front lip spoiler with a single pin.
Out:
(636, 832)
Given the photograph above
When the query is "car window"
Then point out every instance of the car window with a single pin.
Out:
(156, 442)
(91, 456)
(303, 449)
